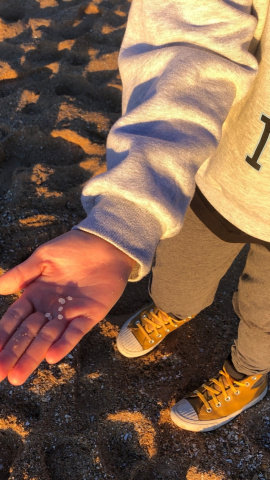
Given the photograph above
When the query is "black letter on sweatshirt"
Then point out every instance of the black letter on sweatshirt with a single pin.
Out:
(253, 161)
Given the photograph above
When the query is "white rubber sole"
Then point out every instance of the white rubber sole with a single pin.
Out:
(207, 426)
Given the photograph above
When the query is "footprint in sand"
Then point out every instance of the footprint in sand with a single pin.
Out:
(12, 11)
(25, 409)
(126, 442)
(10, 446)
(70, 460)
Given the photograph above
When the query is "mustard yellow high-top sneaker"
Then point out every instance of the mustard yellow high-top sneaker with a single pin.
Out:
(145, 330)
(218, 401)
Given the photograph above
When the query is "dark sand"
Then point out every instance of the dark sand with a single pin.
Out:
(96, 415)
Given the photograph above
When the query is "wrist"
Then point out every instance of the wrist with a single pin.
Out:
(105, 248)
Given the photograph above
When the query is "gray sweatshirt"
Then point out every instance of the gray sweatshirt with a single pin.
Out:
(196, 109)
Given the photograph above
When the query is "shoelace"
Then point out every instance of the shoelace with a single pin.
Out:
(231, 385)
(153, 321)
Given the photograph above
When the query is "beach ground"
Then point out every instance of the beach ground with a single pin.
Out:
(96, 415)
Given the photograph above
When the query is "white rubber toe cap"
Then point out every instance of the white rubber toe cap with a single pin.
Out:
(127, 343)
(183, 411)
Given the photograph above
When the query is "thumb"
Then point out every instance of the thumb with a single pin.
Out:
(19, 277)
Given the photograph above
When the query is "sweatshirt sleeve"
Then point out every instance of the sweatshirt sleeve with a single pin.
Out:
(183, 65)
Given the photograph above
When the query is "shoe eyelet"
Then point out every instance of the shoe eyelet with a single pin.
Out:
(218, 404)
(144, 315)
(247, 384)
(137, 322)
(175, 325)
(254, 378)
(167, 330)
(151, 341)
(237, 392)
(227, 399)
(209, 410)
(159, 336)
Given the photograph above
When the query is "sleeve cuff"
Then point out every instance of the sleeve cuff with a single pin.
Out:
(130, 228)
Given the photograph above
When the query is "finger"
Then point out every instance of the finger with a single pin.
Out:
(70, 308)
(77, 307)
(19, 277)
(19, 342)
(76, 329)
(12, 319)
(37, 351)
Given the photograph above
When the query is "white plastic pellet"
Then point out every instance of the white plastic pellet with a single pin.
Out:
(70, 298)
(60, 317)
(47, 315)
(61, 300)
(60, 309)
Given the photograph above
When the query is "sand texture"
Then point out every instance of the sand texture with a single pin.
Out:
(96, 415)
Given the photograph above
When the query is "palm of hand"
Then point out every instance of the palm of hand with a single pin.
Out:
(70, 284)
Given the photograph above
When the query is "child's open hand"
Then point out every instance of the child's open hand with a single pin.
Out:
(76, 278)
